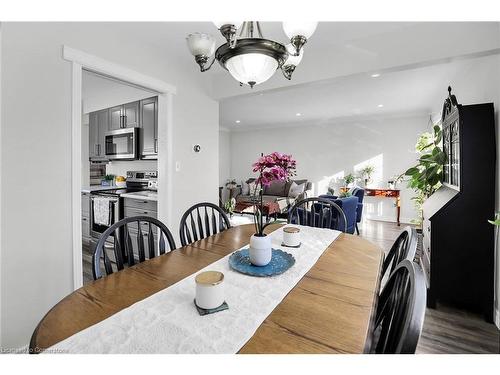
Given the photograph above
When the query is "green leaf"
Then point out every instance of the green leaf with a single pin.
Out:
(411, 171)
(437, 129)
(494, 222)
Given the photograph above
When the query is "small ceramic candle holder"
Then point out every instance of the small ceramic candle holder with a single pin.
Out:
(291, 236)
(209, 289)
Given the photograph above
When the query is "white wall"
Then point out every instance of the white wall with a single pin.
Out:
(36, 270)
(329, 149)
(224, 160)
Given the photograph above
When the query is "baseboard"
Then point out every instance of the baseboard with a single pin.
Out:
(390, 219)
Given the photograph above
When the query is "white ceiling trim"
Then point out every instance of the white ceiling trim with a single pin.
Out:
(107, 68)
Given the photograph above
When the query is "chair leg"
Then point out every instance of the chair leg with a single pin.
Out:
(357, 229)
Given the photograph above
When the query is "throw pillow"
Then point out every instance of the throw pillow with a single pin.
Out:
(289, 184)
(244, 188)
(296, 190)
(251, 188)
(277, 188)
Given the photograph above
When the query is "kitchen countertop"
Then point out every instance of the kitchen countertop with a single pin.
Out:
(89, 189)
(142, 195)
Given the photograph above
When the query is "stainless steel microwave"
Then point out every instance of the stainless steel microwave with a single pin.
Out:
(122, 144)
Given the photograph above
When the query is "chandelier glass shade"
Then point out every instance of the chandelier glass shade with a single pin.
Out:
(250, 59)
(251, 68)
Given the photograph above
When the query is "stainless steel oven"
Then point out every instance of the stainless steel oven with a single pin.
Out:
(122, 144)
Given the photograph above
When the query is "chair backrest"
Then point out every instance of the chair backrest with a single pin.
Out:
(319, 213)
(349, 206)
(403, 248)
(360, 193)
(202, 220)
(129, 241)
(401, 310)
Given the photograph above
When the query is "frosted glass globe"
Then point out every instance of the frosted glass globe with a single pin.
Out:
(252, 67)
(305, 29)
(293, 60)
(201, 44)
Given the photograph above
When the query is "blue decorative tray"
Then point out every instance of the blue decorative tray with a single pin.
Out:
(280, 262)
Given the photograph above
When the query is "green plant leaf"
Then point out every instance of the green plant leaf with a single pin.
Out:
(411, 171)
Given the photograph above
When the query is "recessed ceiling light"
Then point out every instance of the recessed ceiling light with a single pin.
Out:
(375, 75)
(298, 114)
(380, 105)
(237, 121)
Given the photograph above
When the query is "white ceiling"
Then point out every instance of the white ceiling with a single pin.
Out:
(333, 80)
(416, 61)
(415, 91)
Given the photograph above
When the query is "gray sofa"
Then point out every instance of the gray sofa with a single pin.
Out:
(277, 192)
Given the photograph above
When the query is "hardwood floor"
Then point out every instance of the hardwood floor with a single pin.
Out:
(447, 330)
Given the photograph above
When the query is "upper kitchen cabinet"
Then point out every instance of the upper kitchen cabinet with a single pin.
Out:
(149, 122)
(124, 116)
(115, 118)
(131, 113)
(98, 126)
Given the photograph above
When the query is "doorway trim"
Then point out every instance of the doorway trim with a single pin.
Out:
(83, 61)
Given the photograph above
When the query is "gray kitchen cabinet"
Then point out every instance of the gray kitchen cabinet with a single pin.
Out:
(130, 212)
(131, 113)
(124, 116)
(149, 124)
(98, 126)
(86, 219)
(93, 132)
(103, 127)
(140, 207)
(115, 118)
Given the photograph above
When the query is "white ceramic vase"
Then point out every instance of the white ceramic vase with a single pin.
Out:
(260, 250)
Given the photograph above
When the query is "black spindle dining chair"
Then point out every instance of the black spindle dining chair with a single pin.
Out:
(129, 241)
(319, 213)
(403, 248)
(401, 311)
(202, 220)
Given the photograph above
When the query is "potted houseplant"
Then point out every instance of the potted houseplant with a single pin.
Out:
(425, 177)
(366, 174)
(108, 180)
(349, 179)
(229, 206)
(272, 167)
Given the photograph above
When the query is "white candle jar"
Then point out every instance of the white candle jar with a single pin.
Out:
(209, 289)
(291, 236)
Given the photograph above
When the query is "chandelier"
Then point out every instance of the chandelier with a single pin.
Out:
(247, 55)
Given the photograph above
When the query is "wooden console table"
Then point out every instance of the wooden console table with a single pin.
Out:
(387, 193)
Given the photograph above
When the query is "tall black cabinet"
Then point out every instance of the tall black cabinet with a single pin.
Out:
(458, 241)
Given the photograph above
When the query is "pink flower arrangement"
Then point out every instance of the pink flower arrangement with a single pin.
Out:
(272, 167)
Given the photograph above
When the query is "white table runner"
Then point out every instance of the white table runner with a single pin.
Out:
(168, 322)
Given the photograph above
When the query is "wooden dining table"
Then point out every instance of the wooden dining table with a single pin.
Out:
(330, 310)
